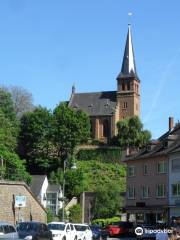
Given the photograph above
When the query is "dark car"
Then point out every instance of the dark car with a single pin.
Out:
(121, 228)
(98, 232)
(33, 231)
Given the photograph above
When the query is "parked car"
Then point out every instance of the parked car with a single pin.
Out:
(62, 231)
(8, 231)
(83, 232)
(98, 232)
(116, 229)
(34, 231)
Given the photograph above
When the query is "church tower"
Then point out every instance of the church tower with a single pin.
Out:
(128, 83)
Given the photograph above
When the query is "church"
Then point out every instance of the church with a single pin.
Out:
(106, 108)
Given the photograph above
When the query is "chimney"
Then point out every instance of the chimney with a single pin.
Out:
(171, 123)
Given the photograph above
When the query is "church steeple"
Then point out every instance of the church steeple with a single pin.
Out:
(128, 65)
(128, 83)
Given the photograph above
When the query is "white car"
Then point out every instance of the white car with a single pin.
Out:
(83, 231)
(7, 231)
(62, 231)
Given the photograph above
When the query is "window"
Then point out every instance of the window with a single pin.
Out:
(131, 171)
(123, 86)
(145, 169)
(140, 217)
(176, 190)
(145, 192)
(131, 193)
(176, 165)
(160, 190)
(162, 167)
(128, 86)
(51, 202)
(125, 105)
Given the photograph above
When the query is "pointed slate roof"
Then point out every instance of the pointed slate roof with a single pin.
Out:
(128, 65)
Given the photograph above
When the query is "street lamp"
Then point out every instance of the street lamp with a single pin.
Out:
(64, 182)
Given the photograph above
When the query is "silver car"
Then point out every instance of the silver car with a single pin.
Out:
(8, 231)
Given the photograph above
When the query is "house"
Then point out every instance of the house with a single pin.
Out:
(174, 182)
(152, 179)
(18, 203)
(49, 195)
(106, 108)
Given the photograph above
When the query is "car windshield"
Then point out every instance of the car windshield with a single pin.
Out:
(56, 226)
(80, 228)
(27, 227)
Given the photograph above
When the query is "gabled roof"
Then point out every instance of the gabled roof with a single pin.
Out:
(95, 103)
(36, 183)
(128, 65)
(166, 144)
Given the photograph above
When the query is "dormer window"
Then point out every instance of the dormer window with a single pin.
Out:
(165, 144)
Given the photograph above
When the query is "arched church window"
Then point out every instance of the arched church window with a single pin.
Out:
(128, 86)
(123, 87)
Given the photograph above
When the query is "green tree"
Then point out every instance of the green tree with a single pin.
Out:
(7, 133)
(7, 106)
(76, 183)
(35, 143)
(71, 127)
(131, 133)
(13, 167)
(110, 196)
(49, 215)
(75, 214)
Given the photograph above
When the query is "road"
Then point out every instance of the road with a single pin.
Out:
(128, 238)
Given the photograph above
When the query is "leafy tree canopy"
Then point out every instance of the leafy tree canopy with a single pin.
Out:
(70, 128)
(75, 214)
(7, 133)
(12, 167)
(6, 105)
(131, 133)
(35, 143)
(110, 196)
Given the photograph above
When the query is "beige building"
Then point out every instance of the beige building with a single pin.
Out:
(12, 211)
(149, 197)
(107, 108)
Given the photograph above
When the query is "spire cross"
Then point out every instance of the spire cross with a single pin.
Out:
(129, 18)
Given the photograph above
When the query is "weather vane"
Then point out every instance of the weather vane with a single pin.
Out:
(129, 17)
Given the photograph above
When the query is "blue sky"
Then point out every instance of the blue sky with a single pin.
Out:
(47, 45)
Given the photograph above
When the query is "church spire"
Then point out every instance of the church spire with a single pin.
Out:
(128, 65)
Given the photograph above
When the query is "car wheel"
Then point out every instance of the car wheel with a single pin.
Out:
(64, 238)
(75, 238)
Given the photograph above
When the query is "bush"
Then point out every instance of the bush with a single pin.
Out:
(75, 214)
(105, 221)
(49, 215)
(111, 155)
